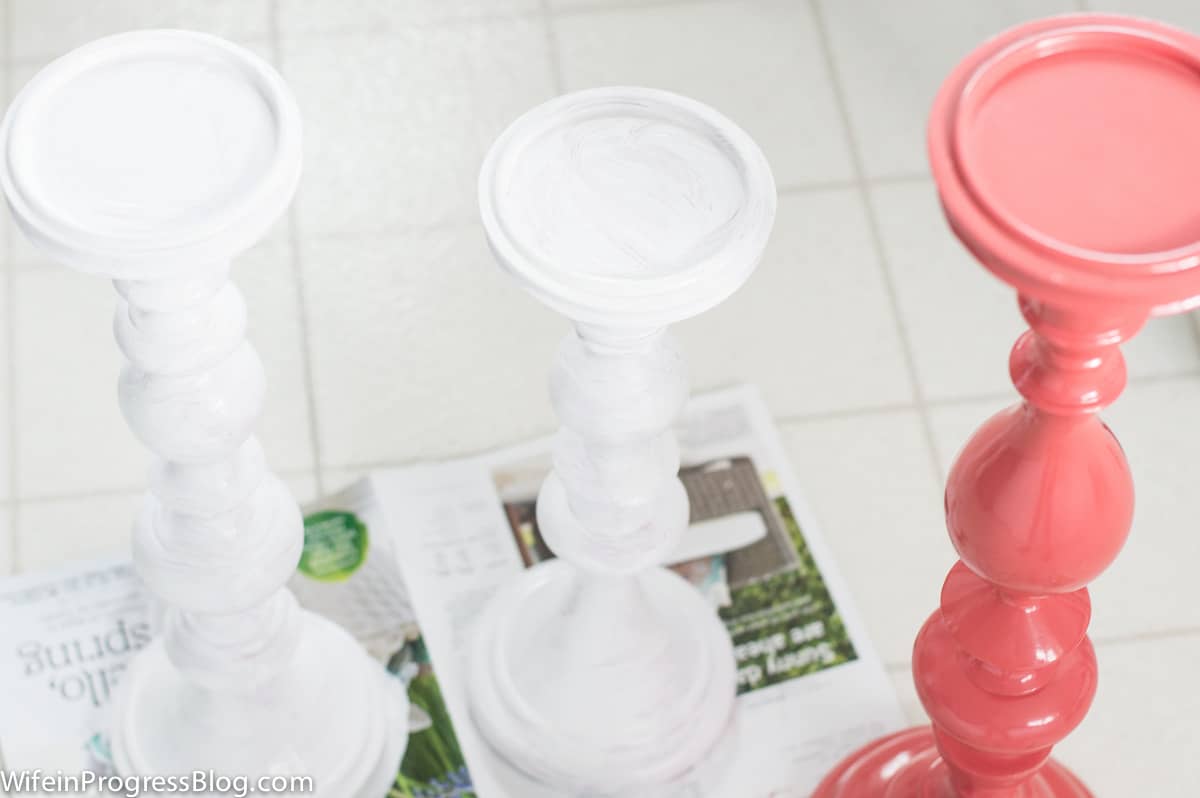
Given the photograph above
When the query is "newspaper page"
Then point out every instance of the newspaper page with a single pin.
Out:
(349, 573)
(70, 633)
(404, 559)
(68, 636)
(810, 686)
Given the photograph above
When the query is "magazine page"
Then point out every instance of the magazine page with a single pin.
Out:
(810, 686)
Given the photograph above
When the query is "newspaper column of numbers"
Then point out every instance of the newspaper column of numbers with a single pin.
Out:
(625, 210)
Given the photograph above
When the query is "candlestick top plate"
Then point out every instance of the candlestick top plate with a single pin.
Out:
(1065, 154)
(149, 151)
(627, 205)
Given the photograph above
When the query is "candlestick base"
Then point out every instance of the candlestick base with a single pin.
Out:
(907, 765)
(596, 684)
(333, 714)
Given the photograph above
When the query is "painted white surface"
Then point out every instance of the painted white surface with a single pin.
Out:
(625, 209)
(389, 277)
(623, 195)
(152, 158)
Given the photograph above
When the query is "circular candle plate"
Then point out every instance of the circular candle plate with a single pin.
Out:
(629, 202)
(1066, 157)
(151, 148)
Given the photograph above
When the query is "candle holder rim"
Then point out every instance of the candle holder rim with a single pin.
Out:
(654, 300)
(216, 235)
(1035, 263)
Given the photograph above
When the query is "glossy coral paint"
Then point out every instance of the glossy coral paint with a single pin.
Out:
(1065, 156)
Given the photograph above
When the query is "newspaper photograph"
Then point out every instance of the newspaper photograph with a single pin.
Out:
(811, 687)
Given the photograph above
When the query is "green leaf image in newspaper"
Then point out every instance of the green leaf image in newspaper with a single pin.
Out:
(785, 625)
(335, 545)
(433, 765)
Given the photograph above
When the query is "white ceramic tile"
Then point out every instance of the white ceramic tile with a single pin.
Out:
(953, 424)
(43, 29)
(1145, 709)
(56, 531)
(422, 348)
(72, 437)
(334, 480)
(267, 278)
(18, 250)
(1140, 737)
(589, 5)
(1185, 13)
(872, 484)
(759, 62)
(1150, 587)
(891, 58)
(6, 398)
(396, 125)
(962, 321)
(303, 486)
(7, 540)
(813, 326)
(1164, 347)
(324, 16)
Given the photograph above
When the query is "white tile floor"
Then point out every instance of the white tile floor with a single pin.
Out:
(389, 336)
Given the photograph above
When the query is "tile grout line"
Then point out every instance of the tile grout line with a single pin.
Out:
(1147, 637)
(10, 277)
(818, 186)
(825, 43)
(1193, 322)
(838, 415)
(1178, 633)
(633, 5)
(385, 28)
(302, 317)
(557, 75)
(1009, 395)
(124, 490)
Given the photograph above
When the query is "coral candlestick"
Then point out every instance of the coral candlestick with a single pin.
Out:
(1065, 158)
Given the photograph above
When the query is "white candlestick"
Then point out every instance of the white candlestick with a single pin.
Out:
(625, 210)
(153, 158)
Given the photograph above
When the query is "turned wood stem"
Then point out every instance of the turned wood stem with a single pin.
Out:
(614, 502)
(1038, 504)
(219, 534)
(154, 158)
